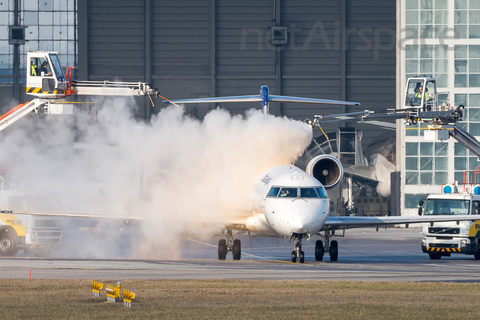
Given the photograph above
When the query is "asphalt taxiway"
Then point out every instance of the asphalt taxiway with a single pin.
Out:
(364, 255)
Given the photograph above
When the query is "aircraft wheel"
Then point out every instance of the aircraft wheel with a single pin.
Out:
(334, 250)
(319, 250)
(294, 256)
(222, 249)
(237, 249)
(435, 256)
(8, 247)
(302, 257)
(476, 255)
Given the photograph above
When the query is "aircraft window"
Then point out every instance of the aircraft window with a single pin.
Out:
(273, 192)
(321, 192)
(288, 193)
(308, 193)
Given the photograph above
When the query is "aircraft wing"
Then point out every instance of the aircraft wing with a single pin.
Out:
(255, 98)
(334, 223)
(273, 98)
(91, 215)
(362, 172)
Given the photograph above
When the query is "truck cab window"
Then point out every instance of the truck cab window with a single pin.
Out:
(57, 67)
(34, 67)
(447, 207)
(476, 207)
(40, 67)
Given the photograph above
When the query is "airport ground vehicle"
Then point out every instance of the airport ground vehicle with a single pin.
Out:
(52, 84)
(32, 234)
(53, 88)
(444, 238)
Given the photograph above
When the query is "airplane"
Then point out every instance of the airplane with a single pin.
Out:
(288, 202)
(291, 203)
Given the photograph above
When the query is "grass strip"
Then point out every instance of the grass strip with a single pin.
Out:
(240, 299)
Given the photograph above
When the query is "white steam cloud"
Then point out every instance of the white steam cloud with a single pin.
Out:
(184, 174)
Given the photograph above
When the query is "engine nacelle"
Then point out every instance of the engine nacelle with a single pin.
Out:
(327, 169)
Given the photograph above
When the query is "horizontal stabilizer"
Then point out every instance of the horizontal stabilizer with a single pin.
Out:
(255, 98)
(258, 98)
(273, 98)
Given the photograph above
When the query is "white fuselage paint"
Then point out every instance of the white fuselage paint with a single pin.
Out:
(286, 216)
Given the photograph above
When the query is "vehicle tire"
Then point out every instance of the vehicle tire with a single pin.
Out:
(237, 249)
(41, 252)
(302, 257)
(435, 256)
(294, 256)
(333, 250)
(8, 245)
(222, 249)
(477, 255)
(319, 250)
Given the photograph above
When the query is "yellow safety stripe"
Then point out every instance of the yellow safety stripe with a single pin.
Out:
(443, 249)
(39, 90)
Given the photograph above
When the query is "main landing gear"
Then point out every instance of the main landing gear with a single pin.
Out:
(330, 246)
(234, 246)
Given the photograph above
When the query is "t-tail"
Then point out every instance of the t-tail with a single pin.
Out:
(264, 98)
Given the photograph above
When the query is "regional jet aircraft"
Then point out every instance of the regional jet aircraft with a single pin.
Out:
(291, 203)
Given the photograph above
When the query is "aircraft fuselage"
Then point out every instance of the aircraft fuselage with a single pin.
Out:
(289, 201)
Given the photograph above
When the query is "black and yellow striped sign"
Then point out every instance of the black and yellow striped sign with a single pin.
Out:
(39, 90)
(443, 249)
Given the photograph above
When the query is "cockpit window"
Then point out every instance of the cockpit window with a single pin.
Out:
(273, 192)
(288, 193)
(321, 192)
(308, 193)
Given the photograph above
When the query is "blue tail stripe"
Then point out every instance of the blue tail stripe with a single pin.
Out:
(265, 99)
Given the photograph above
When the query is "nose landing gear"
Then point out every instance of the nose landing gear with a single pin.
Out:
(234, 246)
(297, 249)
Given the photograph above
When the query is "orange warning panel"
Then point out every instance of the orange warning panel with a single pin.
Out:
(13, 110)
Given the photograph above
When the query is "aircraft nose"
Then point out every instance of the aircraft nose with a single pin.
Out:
(298, 227)
(287, 217)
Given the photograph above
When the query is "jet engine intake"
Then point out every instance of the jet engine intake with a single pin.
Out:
(327, 169)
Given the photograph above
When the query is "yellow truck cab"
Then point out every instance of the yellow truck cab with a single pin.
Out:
(32, 234)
